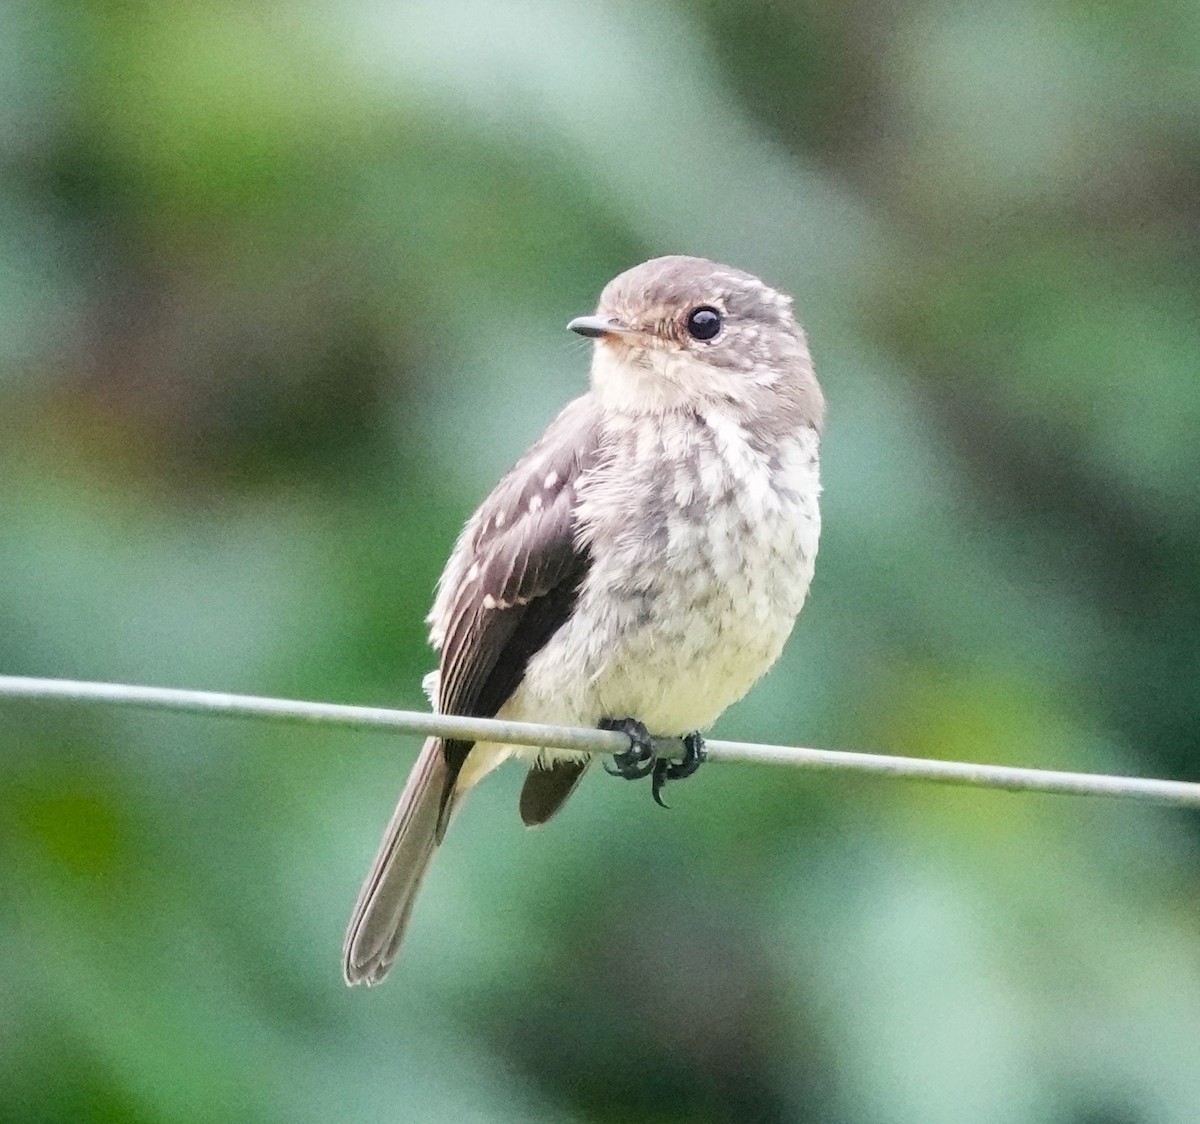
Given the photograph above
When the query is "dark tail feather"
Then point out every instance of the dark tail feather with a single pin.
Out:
(546, 790)
(385, 900)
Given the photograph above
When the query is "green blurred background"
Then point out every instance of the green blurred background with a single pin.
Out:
(282, 292)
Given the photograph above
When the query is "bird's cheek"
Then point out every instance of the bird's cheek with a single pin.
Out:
(643, 360)
(631, 359)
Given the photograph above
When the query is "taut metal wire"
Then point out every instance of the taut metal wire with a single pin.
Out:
(78, 693)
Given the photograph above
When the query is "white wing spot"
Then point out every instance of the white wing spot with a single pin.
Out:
(489, 602)
(498, 521)
(473, 572)
(535, 502)
(551, 480)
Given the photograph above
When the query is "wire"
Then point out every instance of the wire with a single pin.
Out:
(1008, 777)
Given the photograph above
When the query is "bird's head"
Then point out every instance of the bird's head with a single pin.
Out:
(682, 333)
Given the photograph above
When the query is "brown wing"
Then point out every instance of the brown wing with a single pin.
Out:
(514, 574)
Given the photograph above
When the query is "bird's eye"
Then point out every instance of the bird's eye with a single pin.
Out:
(703, 323)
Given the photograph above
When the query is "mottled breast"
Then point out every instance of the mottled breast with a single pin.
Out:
(702, 550)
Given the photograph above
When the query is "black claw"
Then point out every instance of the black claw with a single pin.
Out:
(639, 759)
(693, 758)
(662, 770)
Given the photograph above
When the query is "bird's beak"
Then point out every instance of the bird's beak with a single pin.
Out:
(598, 327)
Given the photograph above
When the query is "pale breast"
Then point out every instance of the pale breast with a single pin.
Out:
(703, 546)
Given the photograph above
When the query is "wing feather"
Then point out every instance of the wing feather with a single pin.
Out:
(514, 575)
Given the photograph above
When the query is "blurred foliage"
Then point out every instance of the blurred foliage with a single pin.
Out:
(282, 289)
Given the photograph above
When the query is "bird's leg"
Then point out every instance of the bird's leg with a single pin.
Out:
(638, 760)
(664, 770)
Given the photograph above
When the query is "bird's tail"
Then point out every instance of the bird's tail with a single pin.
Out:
(385, 900)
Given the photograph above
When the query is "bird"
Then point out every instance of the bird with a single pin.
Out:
(638, 569)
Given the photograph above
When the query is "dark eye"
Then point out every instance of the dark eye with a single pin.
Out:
(703, 323)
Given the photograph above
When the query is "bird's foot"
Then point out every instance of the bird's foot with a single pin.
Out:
(693, 758)
(639, 759)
